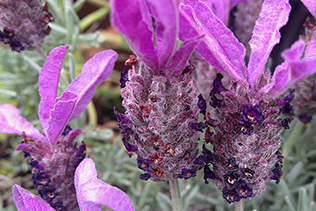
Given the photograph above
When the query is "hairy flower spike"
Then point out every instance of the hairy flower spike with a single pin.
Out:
(248, 114)
(24, 24)
(159, 94)
(54, 154)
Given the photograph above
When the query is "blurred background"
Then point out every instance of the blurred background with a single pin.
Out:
(85, 26)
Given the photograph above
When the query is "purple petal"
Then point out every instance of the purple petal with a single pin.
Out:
(274, 14)
(48, 83)
(73, 134)
(166, 17)
(181, 57)
(92, 192)
(26, 201)
(221, 8)
(311, 49)
(292, 70)
(311, 6)
(12, 122)
(94, 72)
(26, 147)
(133, 20)
(219, 47)
(60, 115)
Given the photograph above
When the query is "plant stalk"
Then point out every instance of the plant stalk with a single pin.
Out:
(175, 195)
(41, 53)
(239, 206)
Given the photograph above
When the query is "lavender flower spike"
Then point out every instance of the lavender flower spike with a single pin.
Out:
(91, 191)
(54, 154)
(249, 115)
(24, 23)
(159, 92)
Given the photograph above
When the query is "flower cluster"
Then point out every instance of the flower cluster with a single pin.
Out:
(54, 154)
(248, 116)
(158, 90)
(24, 23)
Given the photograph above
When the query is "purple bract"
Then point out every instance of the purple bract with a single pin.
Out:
(248, 115)
(54, 153)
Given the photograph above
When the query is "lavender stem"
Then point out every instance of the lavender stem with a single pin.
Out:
(239, 206)
(175, 195)
(41, 53)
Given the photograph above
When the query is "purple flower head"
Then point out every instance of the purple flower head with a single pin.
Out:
(54, 153)
(24, 24)
(231, 195)
(243, 189)
(249, 115)
(159, 94)
(188, 173)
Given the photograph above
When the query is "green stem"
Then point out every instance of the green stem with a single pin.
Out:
(239, 206)
(289, 143)
(92, 17)
(92, 114)
(41, 53)
(175, 195)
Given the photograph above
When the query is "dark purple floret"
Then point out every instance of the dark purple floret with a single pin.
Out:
(217, 84)
(124, 77)
(230, 195)
(66, 130)
(276, 173)
(143, 164)
(200, 161)
(305, 118)
(286, 122)
(48, 193)
(243, 189)
(218, 87)
(58, 206)
(231, 177)
(187, 173)
(129, 147)
(197, 126)
(123, 120)
(208, 174)
(26, 154)
(202, 104)
(208, 154)
(232, 164)
(288, 98)
(80, 154)
(145, 176)
(40, 178)
(248, 173)
(244, 127)
(279, 156)
(287, 109)
(251, 114)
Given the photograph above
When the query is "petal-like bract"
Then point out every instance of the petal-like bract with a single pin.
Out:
(48, 83)
(273, 16)
(92, 192)
(26, 201)
(12, 122)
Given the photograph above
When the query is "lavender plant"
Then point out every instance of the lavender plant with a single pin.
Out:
(24, 24)
(54, 154)
(249, 115)
(159, 92)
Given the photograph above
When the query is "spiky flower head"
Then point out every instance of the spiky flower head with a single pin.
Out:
(249, 115)
(305, 100)
(54, 153)
(24, 23)
(159, 92)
